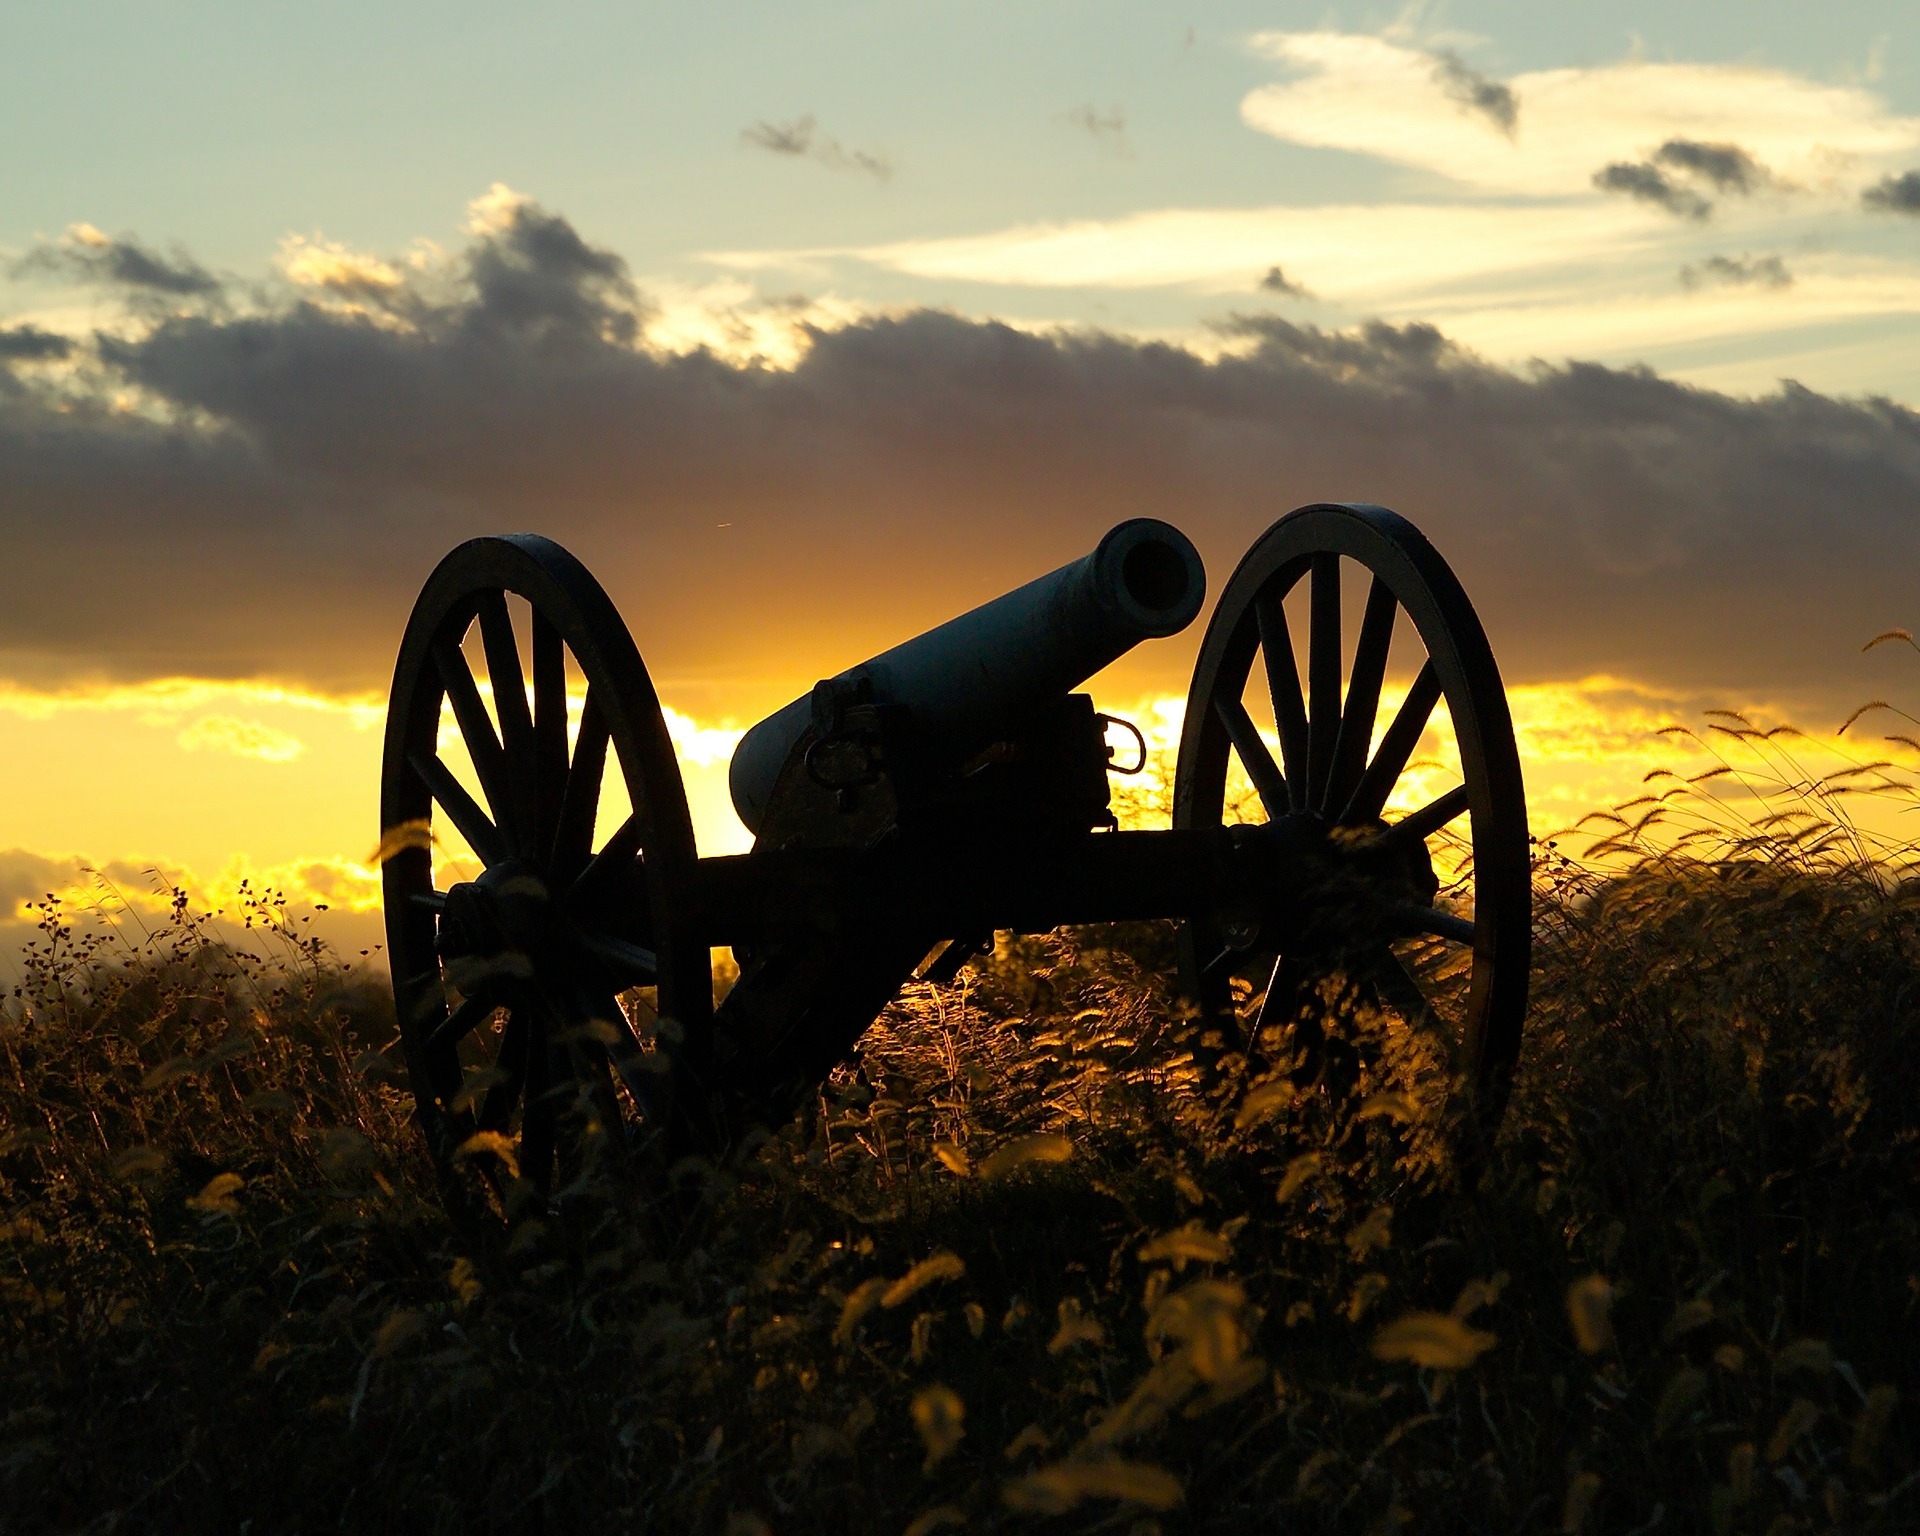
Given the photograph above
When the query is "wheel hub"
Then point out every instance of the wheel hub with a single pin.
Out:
(509, 909)
(1316, 886)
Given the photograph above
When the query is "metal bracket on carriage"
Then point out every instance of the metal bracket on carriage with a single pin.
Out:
(840, 786)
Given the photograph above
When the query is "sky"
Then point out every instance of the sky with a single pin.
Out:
(807, 326)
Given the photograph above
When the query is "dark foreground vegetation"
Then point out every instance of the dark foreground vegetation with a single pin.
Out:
(1023, 1269)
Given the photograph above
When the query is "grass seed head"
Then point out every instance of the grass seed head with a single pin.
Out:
(941, 1419)
(1057, 1489)
(1044, 1147)
(929, 1271)
(1590, 1312)
(1431, 1340)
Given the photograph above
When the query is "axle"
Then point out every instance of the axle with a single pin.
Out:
(1273, 885)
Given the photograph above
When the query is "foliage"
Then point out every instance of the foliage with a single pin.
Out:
(1023, 1266)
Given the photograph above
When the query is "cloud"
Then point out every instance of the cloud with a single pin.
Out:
(243, 738)
(1737, 271)
(123, 900)
(30, 344)
(287, 477)
(166, 700)
(333, 268)
(86, 255)
(802, 139)
(1517, 280)
(1362, 253)
(1650, 184)
(1476, 92)
(533, 275)
(1387, 98)
(1727, 166)
(1894, 194)
(1107, 129)
(1277, 281)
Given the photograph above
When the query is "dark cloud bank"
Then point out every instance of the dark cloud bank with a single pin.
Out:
(308, 465)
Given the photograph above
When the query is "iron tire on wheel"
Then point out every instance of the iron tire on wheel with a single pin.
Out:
(1336, 775)
(554, 930)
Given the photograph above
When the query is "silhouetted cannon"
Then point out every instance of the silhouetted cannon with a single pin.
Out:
(946, 790)
(979, 678)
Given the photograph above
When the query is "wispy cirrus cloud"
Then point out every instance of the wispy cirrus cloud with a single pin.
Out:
(1383, 97)
(1365, 252)
(1765, 271)
(243, 738)
(1548, 215)
(1107, 129)
(801, 139)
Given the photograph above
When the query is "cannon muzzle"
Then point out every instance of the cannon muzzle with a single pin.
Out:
(975, 679)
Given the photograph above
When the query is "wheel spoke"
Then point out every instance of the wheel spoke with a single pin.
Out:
(633, 965)
(549, 728)
(1363, 694)
(592, 1053)
(461, 808)
(498, 648)
(1445, 925)
(1283, 687)
(573, 837)
(1396, 748)
(471, 1013)
(619, 852)
(639, 1070)
(1397, 985)
(1287, 988)
(1323, 675)
(516, 722)
(1423, 823)
(476, 729)
(1267, 782)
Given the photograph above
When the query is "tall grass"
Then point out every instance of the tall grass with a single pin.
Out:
(1021, 1266)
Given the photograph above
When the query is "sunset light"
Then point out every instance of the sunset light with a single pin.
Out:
(870, 770)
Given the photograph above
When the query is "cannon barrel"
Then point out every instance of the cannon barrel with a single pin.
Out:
(972, 680)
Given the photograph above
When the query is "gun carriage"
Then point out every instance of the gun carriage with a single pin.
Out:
(948, 789)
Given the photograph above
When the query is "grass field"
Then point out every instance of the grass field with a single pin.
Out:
(1022, 1269)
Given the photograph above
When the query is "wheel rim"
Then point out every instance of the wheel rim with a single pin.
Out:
(1331, 770)
(508, 968)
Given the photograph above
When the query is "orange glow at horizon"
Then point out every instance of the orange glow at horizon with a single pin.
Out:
(207, 784)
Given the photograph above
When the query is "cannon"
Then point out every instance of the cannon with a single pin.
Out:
(555, 990)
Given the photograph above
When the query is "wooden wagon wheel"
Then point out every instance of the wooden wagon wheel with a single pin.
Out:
(508, 978)
(1331, 773)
